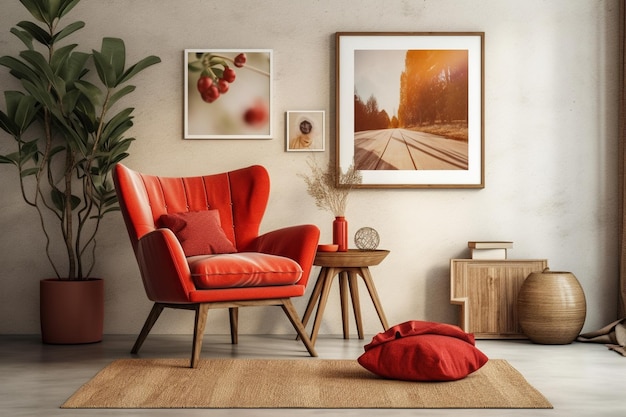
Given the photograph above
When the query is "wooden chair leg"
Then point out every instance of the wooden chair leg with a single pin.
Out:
(234, 325)
(290, 311)
(202, 311)
(152, 318)
(328, 280)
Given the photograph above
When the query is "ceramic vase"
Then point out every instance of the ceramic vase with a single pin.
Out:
(340, 233)
(551, 307)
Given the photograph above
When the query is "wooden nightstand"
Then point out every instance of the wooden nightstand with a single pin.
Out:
(486, 291)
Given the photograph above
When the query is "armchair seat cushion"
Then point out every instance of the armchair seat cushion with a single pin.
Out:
(243, 269)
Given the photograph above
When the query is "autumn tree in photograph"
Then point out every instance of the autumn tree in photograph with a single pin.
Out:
(367, 116)
(434, 88)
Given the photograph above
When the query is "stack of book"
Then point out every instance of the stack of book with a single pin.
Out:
(489, 249)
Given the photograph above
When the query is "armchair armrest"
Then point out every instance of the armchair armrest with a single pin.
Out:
(296, 242)
(164, 268)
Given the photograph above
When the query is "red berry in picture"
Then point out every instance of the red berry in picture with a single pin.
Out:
(256, 115)
(211, 94)
(223, 86)
(229, 75)
(204, 83)
(240, 60)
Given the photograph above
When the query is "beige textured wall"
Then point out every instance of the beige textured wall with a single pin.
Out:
(550, 131)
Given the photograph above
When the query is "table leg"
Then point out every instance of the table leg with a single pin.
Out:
(356, 304)
(327, 281)
(369, 283)
(343, 290)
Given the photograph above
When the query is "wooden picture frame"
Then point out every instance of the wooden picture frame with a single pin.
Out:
(234, 99)
(410, 111)
(305, 130)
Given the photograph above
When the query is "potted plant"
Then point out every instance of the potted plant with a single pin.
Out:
(67, 135)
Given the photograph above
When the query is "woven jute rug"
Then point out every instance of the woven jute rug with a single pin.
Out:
(304, 383)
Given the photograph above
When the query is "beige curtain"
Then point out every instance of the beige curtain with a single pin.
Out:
(622, 160)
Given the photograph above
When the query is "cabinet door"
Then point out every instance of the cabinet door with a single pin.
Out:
(486, 292)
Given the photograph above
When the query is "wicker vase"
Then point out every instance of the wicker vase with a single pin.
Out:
(551, 307)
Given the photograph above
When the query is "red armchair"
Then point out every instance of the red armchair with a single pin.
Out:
(197, 245)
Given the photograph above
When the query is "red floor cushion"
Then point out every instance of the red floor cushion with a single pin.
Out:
(423, 351)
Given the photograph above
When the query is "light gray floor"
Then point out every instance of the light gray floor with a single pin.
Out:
(35, 379)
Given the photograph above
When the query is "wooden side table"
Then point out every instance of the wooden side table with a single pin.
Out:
(347, 265)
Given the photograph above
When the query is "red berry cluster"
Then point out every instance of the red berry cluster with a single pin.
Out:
(215, 81)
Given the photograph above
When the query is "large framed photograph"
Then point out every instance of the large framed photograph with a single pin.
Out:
(228, 94)
(305, 130)
(410, 109)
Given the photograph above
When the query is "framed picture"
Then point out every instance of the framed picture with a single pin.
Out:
(228, 94)
(410, 109)
(305, 131)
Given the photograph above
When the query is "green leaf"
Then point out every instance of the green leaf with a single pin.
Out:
(58, 199)
(51, 8)
(19, 69)
(35, 8)
(8, 125)
(25, 113)
(7, 160)
(66, 6)
(110, 61)
(29, 171)
(39, 63)
(68, 30)
(91, 91)
(119, 94)
(42, 96)
(86, 113)
(59, 57)
(40, 35)
(25, 37)
(118, 124)
(29, 150)
(114, 51)
(69, 101)
(122, 146)
(74, 67)
(21, 112)
(105, 70)
(110, 209)
(138, 67)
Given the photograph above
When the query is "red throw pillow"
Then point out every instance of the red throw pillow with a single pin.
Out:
(199, 232)
(423, 351)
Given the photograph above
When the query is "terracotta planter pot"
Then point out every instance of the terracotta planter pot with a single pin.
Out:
(551, 307)
(71, 312)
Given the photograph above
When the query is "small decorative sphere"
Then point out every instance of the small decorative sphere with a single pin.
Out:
(366, 238)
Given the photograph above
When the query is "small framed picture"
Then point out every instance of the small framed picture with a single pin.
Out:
(305, 131)
(228, 94)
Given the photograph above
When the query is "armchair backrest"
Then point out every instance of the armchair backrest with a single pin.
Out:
(240, 196)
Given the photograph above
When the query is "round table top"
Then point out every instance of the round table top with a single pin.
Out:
(351, 258)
